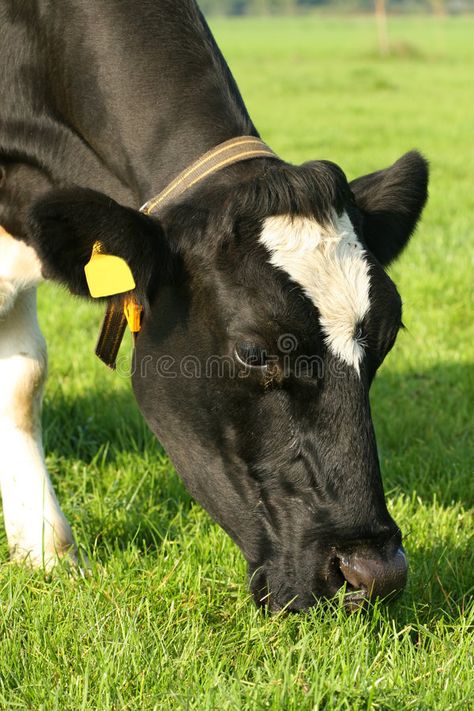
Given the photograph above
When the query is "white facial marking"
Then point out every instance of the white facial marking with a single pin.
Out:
(328, 263)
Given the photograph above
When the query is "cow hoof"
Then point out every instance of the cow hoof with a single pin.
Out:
(66, 555)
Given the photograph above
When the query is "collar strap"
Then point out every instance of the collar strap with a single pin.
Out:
(234, 151)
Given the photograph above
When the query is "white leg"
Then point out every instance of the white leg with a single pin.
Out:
(37, 530)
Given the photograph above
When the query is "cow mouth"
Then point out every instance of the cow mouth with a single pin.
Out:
(355, 600)
(354, 597)
(280, 600)
(359, 577)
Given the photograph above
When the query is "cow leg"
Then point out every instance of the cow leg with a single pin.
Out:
(37, 530)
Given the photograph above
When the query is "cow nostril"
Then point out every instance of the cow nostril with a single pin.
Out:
(335, 576)
(351, 575)
(371, 574)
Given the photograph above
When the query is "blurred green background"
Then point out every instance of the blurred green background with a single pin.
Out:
(265, 7)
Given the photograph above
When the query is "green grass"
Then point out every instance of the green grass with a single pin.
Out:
(165, 620)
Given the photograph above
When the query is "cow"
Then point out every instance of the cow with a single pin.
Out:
(275, 272)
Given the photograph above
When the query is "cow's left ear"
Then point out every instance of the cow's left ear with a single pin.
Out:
(64, 225)
(391, 202)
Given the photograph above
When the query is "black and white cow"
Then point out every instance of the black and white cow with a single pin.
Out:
(269, 267)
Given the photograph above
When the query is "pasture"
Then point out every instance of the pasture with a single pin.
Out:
(164, 619)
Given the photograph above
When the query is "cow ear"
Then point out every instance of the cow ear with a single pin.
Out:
(391, 202)
(64, 225)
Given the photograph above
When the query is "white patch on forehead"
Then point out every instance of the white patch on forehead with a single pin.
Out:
(329, 264)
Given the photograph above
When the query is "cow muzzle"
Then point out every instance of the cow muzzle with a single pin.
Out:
(370, 573)
(362, 572)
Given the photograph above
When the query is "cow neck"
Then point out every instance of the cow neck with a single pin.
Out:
(225, 154)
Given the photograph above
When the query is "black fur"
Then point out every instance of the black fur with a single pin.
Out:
(391, 202)
(105, 105)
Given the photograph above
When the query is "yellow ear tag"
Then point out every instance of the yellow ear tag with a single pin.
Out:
(107, 274)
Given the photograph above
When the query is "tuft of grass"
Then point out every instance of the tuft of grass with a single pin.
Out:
(165, 620)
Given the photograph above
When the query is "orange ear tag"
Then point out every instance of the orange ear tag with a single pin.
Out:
(107, 274)
(133, 314)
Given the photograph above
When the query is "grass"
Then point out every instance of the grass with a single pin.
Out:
(165, 620)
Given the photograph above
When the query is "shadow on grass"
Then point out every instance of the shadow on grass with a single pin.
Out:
(79, 427)
(112, 504)
(425, 433)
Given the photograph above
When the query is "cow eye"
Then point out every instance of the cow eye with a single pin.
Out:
(251, 355)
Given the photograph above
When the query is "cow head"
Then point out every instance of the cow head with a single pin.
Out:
(267, 314)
